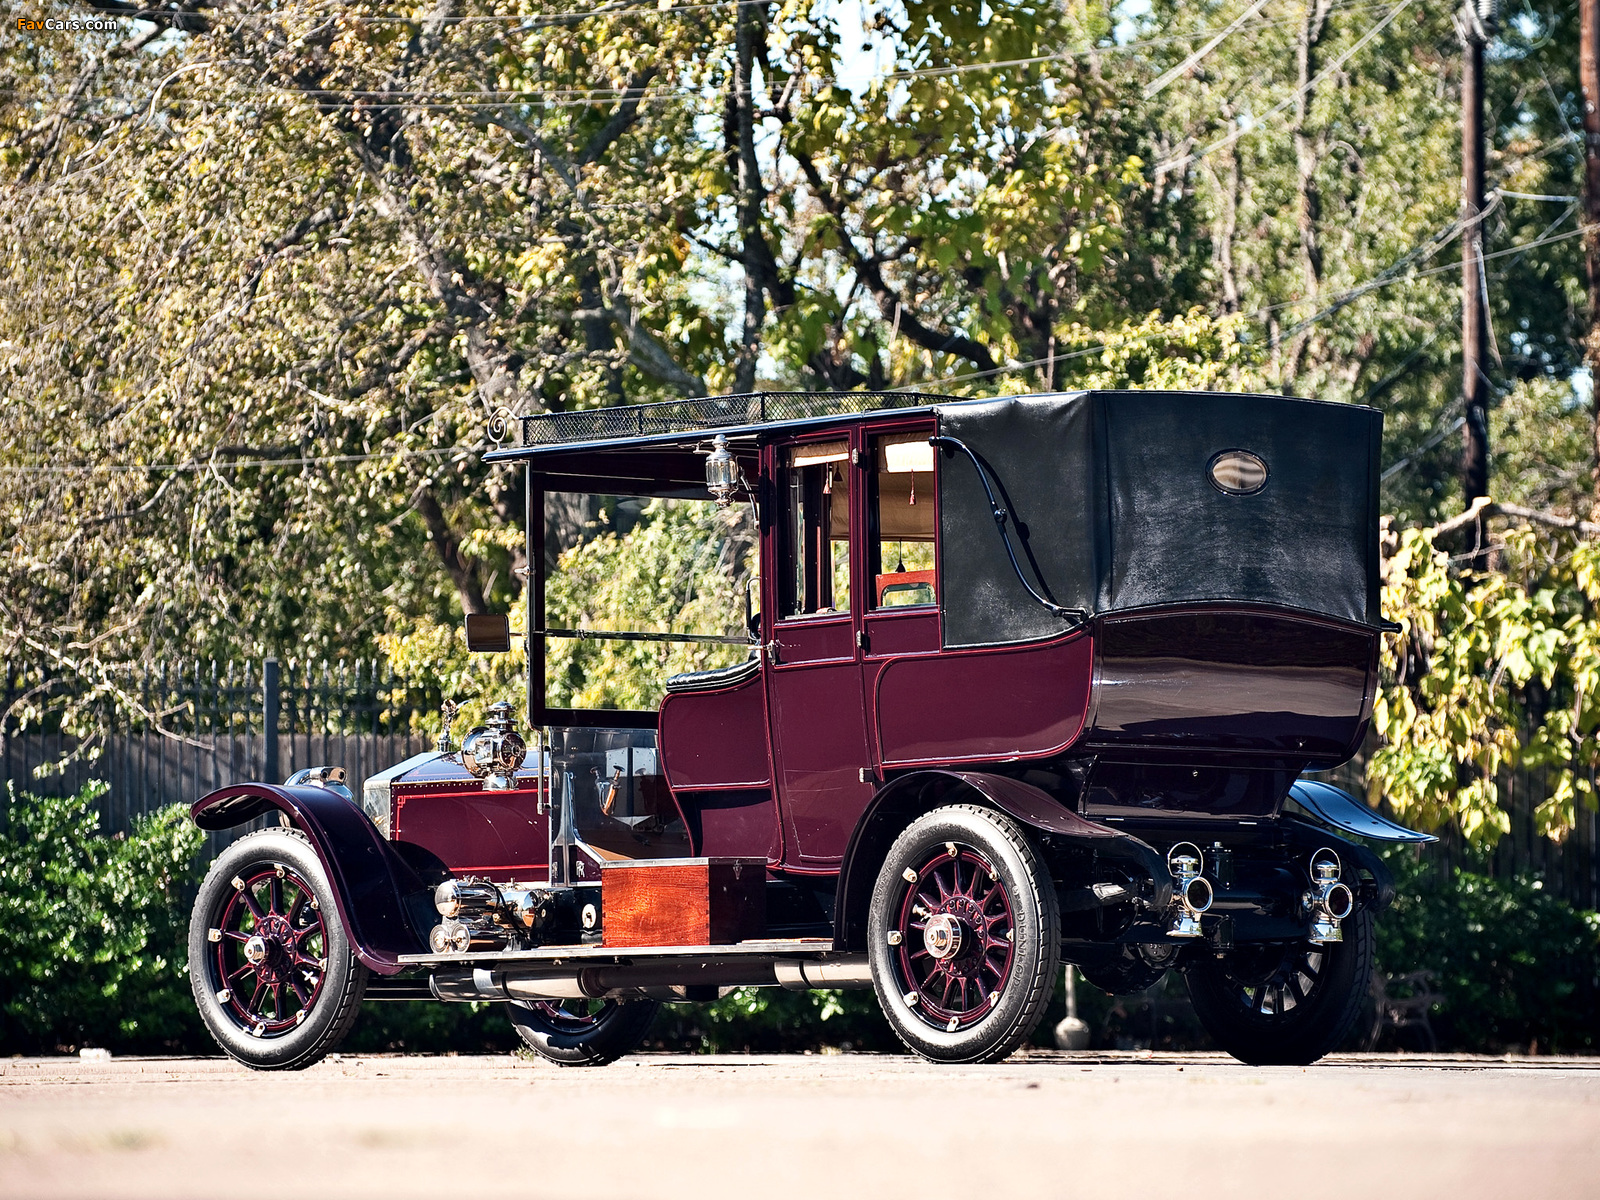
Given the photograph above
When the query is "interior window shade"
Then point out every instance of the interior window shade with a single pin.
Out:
(905, 453)
(818, 453)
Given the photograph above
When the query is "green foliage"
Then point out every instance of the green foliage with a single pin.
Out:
(1517, 966)
(93, 929)
(1490, 671)
(429, 1027)
(681, 569)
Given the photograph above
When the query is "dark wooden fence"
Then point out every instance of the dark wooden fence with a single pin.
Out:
(170, 734)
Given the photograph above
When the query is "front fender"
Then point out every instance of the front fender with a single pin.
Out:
(907, 797)
(370, 881)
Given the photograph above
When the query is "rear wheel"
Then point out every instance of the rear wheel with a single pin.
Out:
(582, 1033)
(964, 936)
(1285, 1002)
(273, 973)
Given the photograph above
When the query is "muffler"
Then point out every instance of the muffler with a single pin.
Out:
(1329, 901)
(1191, 891)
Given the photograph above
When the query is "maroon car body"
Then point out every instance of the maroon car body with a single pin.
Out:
(1074, 727)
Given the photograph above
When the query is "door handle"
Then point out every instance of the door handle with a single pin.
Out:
(772, 651)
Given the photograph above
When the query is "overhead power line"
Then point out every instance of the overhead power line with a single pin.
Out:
(1155, 87)
(1173, 164)
(1009, 369)
(447, 99)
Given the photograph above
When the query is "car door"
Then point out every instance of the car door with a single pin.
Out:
(819, 731)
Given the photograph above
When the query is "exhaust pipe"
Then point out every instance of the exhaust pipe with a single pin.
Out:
(1329, 900)
(1192, 894)
(799, 975)
(601, 982)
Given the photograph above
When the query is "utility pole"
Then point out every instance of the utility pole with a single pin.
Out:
(1475, 23)
(1589, 87)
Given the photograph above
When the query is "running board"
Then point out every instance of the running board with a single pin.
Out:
(556, 955)
(685, 973)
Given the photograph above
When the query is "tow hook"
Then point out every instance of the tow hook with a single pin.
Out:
(1329, 901)
(1191, 892)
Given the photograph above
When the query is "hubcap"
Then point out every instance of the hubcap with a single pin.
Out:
(271, 958)
(952, 938)
(942, 936)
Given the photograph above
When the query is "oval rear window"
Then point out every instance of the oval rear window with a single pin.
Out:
(1238, 472)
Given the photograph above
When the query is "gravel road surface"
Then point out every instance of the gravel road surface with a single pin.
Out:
(1042, 1125)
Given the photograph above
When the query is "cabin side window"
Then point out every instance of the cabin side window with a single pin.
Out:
(901, 541)
(815, 578)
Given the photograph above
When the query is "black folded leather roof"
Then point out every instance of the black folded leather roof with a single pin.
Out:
(1118, 509)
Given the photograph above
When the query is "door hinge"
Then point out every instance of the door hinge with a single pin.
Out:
(772, 652)
(855, 458)
(863, 642)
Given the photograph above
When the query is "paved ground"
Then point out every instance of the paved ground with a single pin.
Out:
(1046, 1125)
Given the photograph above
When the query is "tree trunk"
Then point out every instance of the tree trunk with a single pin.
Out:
(1307, 155)
(1589, 81)
(1474, 384)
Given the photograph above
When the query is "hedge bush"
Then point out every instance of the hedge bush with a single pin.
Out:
(93, 932)
(1519, 968)
(92, 928)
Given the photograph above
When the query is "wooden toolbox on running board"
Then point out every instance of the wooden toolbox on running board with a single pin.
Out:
(683, 901)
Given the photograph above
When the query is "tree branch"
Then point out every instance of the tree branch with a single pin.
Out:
(1483, 508)
(890, 305)
(448, 545)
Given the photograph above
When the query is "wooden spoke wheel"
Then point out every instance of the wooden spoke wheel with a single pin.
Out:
(964, 935)
(1285, 1002)
(582, 1033)
(274, 976)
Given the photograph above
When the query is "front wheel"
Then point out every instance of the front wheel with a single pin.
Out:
(273, 973)
(964, 936)
(1285, 1003)
(582, 1033)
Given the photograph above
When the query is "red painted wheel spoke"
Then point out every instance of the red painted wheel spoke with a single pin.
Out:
(250, 902)
(955, 989)
(274, 906)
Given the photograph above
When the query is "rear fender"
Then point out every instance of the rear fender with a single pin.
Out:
(909, 796)
(370, 881)
(1340, 810)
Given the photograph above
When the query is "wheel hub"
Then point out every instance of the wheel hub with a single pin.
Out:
(954, 938)
(256, 951)
(942, 936)
(270, 950)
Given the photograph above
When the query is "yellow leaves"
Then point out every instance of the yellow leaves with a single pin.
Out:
(1490, 673)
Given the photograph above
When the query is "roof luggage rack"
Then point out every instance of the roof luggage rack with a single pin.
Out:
(706, 412)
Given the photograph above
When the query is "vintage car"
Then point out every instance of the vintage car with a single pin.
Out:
(1032, 680)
